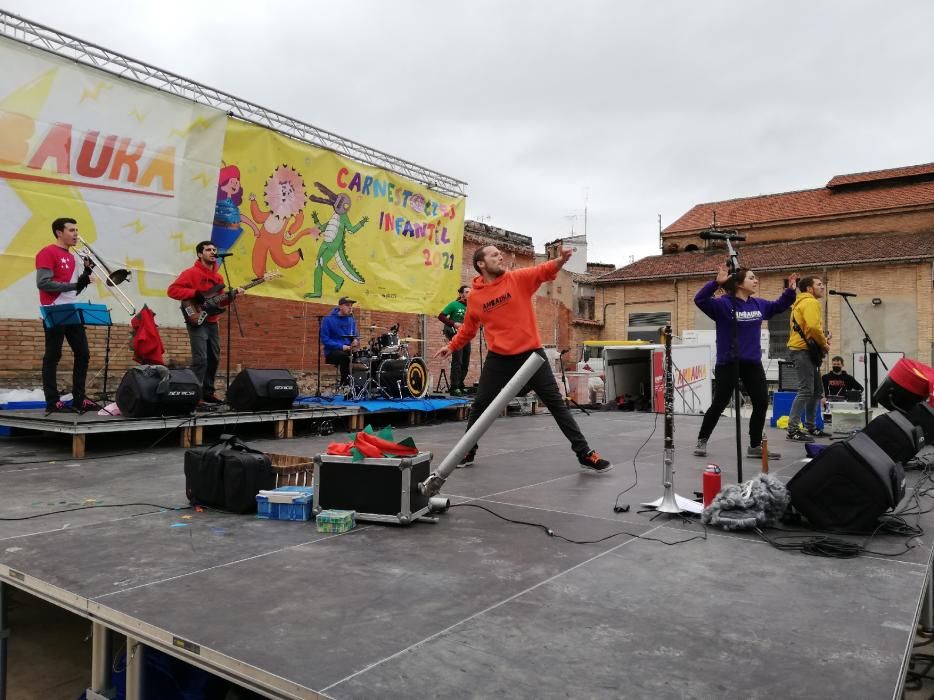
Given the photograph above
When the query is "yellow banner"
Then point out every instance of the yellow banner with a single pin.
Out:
(333, 227)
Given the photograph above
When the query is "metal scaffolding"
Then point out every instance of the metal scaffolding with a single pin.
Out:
(64, 45)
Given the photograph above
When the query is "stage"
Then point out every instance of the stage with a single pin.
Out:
(339, 414)
(472, 606)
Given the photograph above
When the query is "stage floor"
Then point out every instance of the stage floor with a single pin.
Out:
(472, 606)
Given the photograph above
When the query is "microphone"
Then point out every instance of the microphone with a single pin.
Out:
(835, 293)
(721, 236)
(222, 255)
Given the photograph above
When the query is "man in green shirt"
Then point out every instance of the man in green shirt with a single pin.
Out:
(452, 316)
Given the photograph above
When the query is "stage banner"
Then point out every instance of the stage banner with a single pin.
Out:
(136, 167)
(334, 227)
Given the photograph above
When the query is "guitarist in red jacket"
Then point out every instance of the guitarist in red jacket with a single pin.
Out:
(192, 284)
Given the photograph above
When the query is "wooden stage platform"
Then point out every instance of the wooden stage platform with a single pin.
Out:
(191, 427)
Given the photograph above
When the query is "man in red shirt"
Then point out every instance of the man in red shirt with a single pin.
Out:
(501, 301)
(192, 284)
(60, 279)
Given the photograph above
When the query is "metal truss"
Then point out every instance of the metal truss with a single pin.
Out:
(48, 39)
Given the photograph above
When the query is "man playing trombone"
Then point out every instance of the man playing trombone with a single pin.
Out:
(60, 278)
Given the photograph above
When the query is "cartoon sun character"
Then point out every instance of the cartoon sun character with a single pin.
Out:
(332, 244)
(285, 198)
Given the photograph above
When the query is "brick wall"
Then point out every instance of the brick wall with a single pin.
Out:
(276, 333)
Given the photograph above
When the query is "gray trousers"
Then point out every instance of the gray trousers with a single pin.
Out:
(205, 354)
(807, 401)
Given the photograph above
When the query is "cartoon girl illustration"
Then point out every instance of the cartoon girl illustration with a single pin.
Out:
(227, 228)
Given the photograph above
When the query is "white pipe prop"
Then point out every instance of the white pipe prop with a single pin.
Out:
(432, 485)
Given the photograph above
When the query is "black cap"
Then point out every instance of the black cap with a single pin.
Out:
(346, 300)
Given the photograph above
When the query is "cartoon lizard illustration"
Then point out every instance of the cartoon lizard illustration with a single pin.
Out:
(285, 198)
(332, 244)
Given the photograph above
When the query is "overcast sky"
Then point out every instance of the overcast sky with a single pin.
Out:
(638, 109)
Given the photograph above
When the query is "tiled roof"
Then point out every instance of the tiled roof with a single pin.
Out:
(877, 175)
(508, 240)
(808, 203)
(791, 255)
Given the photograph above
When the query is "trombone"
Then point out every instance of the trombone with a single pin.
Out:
(111, 278)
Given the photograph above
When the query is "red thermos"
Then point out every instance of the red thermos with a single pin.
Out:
(711, 483)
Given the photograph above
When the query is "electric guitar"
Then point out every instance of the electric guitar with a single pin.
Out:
(216, 301)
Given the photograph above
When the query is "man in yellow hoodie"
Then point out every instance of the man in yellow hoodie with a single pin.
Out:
(501, 301)
(807, 327)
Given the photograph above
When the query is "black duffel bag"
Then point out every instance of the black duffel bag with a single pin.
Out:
(227, 475)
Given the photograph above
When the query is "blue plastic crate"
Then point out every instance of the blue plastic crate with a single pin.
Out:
(299, 508)
(781, 406)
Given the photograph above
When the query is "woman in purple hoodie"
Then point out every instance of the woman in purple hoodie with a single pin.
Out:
(740, 288)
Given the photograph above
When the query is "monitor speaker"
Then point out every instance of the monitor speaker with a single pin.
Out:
(158, 391)
(262, 390)
(848, 486)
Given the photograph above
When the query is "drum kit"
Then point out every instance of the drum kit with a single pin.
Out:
(384, 369)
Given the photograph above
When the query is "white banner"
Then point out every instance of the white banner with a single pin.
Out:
(137, 169)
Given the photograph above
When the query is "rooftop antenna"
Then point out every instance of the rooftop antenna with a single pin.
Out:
(586, 197)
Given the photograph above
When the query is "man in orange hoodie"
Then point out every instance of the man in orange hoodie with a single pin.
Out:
(501, 301)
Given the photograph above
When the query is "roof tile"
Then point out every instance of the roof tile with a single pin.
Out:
(797, 255)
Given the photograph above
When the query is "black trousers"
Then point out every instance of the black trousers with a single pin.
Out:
(460, 364)
(341, 359)
(78, 341)
(753, 377)
(499, 369)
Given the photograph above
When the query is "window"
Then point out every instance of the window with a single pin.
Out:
(779, 330)
(645, 325)
(585, 308)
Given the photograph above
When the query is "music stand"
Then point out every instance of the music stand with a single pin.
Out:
(81, 314)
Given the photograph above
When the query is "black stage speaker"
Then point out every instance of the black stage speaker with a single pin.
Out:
(170, 392)
(897, 435)
(262, 390)
(922, 415)
(848, 486)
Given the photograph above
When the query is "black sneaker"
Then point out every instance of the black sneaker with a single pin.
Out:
(700, 450)
(798, 436)
(817, 432)
(592, 461)
(468, 459)
(756, 453)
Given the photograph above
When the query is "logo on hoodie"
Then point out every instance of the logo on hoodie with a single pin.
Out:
(497, 301)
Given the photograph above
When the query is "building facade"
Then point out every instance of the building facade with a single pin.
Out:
(868, 233)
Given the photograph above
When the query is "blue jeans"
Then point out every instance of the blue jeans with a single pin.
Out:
(807, 401)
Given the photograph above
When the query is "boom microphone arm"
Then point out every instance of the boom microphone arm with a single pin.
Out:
(432, 485)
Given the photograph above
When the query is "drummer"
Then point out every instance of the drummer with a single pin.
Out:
(339, 337)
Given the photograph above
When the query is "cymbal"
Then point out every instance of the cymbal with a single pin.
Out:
(382, 328)
(412, 340)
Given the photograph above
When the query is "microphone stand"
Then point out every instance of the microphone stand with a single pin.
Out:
(734, 266)
(480, 348)
(229, 312)
(866, 342)
(318, 391)
(567, 393)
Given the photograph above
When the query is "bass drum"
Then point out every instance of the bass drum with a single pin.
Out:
(404, 377)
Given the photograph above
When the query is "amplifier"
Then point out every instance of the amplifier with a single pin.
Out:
(383, 490)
